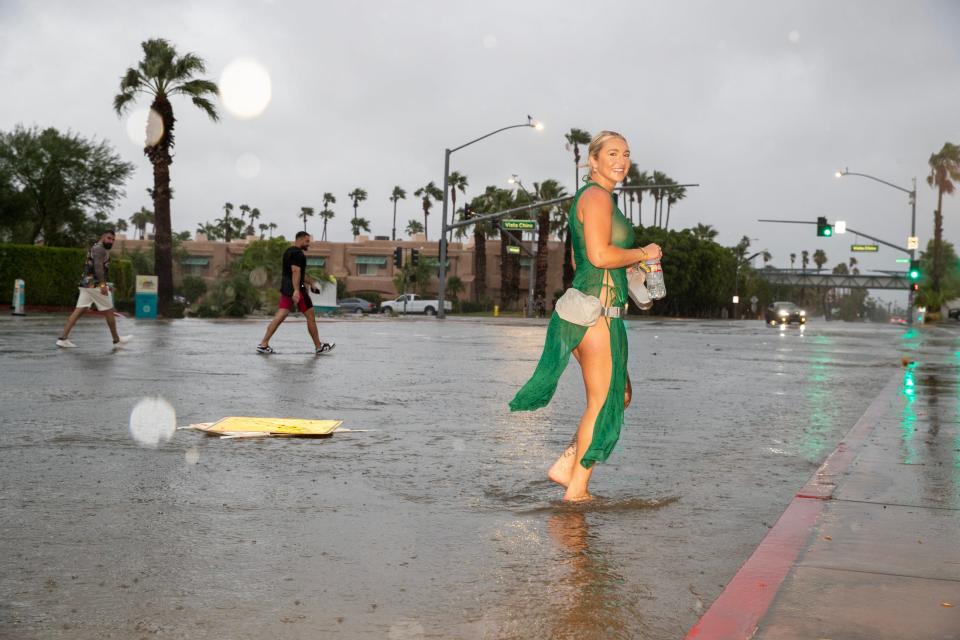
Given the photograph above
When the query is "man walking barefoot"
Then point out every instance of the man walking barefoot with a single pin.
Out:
(94, 289)
(293, 295)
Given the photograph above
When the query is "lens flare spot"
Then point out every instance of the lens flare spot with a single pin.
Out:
(248, 166)
(192, 455)
(245, 88)
(144, 127)
(152, 421)
(258, 277)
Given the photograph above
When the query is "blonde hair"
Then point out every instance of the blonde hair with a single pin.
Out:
(593, 151)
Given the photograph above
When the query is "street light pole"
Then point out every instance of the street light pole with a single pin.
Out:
(912, 193)
(532, 277)
(442, 286)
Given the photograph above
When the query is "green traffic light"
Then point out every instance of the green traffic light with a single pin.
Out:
(914, 274)
(827, 232)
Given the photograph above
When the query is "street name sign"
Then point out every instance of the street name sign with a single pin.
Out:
(518, 225)
(513, 249)
(871, 248)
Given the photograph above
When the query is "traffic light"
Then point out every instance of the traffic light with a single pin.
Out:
(414, 257)
(398, 257)
(914, 272)
(467, 211)
(824, 229)
(915, 286)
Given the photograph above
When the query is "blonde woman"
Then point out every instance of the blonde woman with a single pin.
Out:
(602, 249)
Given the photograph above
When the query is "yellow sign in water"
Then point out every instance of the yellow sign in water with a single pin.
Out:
(273, 426)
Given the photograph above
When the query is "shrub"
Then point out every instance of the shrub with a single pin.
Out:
(52, 274)
(193, 288)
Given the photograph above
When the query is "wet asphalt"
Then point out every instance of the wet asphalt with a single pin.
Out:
(437, 521)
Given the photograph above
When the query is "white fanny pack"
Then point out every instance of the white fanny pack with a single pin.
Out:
(580, 308)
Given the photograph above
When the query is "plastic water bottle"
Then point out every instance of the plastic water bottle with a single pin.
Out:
(655, 284)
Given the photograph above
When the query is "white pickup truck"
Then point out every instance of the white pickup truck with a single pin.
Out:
(412, 303)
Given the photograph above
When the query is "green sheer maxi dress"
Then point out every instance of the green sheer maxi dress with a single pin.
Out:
(563, 337)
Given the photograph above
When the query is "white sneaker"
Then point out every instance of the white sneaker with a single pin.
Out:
(63, 343)
(122, 340)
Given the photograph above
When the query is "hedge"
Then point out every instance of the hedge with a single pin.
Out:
(51, 274)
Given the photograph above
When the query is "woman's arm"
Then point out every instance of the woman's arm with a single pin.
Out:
(595, 211)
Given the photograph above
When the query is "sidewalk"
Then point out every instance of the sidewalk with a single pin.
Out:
(870, 546)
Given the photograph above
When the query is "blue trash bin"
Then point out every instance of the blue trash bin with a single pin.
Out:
(145, 305)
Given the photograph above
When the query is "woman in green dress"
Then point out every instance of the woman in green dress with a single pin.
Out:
(602, 249)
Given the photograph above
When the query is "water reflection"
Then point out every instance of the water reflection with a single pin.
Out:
(590, 598)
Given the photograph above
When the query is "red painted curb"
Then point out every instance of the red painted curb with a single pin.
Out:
(737, 611)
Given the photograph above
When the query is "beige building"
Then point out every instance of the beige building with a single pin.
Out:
(365, 264)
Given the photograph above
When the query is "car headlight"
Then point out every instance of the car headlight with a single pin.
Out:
(784, 312)
(802, 312)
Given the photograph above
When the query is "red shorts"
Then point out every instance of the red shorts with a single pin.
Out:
(286, 302)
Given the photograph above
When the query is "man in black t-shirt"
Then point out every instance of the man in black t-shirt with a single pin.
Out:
(294, 296)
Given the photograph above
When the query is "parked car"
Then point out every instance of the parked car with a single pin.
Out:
(412, 303)
(356, 305)
(784, 313)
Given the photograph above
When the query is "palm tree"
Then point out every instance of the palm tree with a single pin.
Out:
(141, 219)
(674, 194)
(636, 178)
(561, 226)
(804, 259)
(358, 225)
(546, 190)
(226, 224)
(413, 228)
(704, 232)
(327, 213)
(575, 138)
(486, 203)
(305, 212)
(853, 266)
(767, 257)
(820, 259)
(244, 210)
(659, 193)
(793, 259)
(253, 216)
(358, 195)
(428, 194)
(456, 180)
(263, 229)
(120, 225)
(272, 226)
(163, 73)
(944, 169)
(398, 194)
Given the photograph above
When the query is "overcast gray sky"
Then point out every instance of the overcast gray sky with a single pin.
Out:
(758, 102)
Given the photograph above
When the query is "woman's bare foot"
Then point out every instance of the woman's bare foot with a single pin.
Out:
(586, 497)
(562, 469)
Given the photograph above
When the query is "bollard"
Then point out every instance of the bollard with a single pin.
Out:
(19, 297)
(496, 311)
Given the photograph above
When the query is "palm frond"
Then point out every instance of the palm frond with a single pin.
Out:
(188, 65)
(196, 88)
(122, 101)
(207, 107)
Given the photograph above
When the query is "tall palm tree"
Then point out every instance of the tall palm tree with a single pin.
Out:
(398, 194)
(804, 259)
(486, 203)
(226, 223)
(358, 195)
(944, 170)
(263, 229)
(163, 73)
(272, 226)
(820, 259)
(305, 212)
(659, 194)
(141, 219)
(244, 212)
(674, 194)
(327, 213)
(428, 194)
(853, 266)
(793, 260)
(456, 180)
(358, 225)
(561, 226)
(120, 225)
(575, 138)
(546, 190)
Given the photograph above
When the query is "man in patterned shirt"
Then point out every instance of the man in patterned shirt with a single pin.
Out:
(95, 290)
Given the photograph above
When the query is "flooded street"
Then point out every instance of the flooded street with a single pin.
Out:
(437, 522)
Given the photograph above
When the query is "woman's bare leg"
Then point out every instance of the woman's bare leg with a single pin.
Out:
(597, 366)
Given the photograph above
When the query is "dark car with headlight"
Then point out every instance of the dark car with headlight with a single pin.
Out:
(784, 313)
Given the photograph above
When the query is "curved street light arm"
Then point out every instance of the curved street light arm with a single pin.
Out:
(847, 172)
(492, 133)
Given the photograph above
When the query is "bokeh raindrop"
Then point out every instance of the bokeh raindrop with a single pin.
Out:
(152, 422)
(245, 88)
